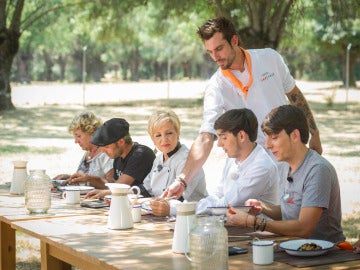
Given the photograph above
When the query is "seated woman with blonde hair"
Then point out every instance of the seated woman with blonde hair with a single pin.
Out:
(95, 168)
(164, 130)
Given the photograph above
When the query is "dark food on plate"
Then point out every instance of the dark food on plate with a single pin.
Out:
(309, 246)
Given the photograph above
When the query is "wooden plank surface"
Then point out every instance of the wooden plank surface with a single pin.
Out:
(86, 240)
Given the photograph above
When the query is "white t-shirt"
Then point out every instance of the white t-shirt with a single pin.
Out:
(254, 178)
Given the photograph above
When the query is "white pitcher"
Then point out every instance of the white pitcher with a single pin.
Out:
(19, 177)
(185, 221)
(120, 216)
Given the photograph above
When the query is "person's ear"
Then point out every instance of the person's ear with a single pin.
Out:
(234, 41)
(295, 135)
(241, 135)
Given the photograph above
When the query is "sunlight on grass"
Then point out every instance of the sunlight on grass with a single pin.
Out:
(19, 149)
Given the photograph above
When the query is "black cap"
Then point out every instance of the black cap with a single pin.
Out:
(111, 131)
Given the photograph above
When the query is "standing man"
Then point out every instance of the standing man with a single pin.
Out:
(310, 204)
(132, 161)
(255, 79)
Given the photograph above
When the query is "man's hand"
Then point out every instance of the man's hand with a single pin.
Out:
(160, 207)
(237, 217)
(97, 194)
(175, 190)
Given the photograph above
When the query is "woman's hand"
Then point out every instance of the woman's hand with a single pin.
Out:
(160, 207)
(77, 178)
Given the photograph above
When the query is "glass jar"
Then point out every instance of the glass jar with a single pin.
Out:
(208, 244)
(38, 192)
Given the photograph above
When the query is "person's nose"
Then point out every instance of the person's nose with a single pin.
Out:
(219, 143)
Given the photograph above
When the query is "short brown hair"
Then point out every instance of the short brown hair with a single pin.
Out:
(288, 118)
(238, 119)
(221, 25)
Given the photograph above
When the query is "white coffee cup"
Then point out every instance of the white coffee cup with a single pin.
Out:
(263, 252)
(136, 213)
(71, 195)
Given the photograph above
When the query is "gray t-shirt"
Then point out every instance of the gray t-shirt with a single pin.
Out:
(315, 184)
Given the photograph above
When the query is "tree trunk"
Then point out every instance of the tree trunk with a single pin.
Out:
(134, 65)
(62, 63)
(49, 64)
(23, 62)
(9, 45)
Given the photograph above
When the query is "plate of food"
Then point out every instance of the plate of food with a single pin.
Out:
(222, 210)
(306, 247)
(83, 189)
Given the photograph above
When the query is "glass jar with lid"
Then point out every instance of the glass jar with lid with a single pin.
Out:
(38, 192)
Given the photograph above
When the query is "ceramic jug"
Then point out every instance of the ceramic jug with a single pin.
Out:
(208, 244)
(19, 177)
(120, 215)
(185, 221)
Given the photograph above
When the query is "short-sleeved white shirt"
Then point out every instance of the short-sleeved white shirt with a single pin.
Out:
(99, 165)
(271, 81)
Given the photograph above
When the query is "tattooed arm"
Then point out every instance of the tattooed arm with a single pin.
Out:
(297, 99)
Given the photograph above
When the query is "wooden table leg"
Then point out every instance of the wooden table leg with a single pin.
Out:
(8, 247)
(49, 262)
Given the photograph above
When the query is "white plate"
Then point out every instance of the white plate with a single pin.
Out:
(220, 210)
(83, 189)
(291, 247)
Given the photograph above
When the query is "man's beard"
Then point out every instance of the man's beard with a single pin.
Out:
(229, 60)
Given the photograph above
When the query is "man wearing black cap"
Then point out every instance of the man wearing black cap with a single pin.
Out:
(132, 161)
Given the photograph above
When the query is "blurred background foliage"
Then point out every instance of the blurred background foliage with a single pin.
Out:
(155, 39)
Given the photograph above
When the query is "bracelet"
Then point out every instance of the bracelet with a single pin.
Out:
(182, 181)
(262, 225)
(263, 229)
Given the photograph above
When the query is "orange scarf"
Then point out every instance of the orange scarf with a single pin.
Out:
(235, 81)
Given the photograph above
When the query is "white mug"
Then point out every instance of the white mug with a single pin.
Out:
(71, 195)
(136, 213)
(263, 252)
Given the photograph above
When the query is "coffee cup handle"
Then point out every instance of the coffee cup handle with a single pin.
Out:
(63, 195)
(137, 191)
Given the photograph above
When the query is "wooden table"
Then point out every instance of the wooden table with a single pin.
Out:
(87, 243)
(12, 208)
(80, 237)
